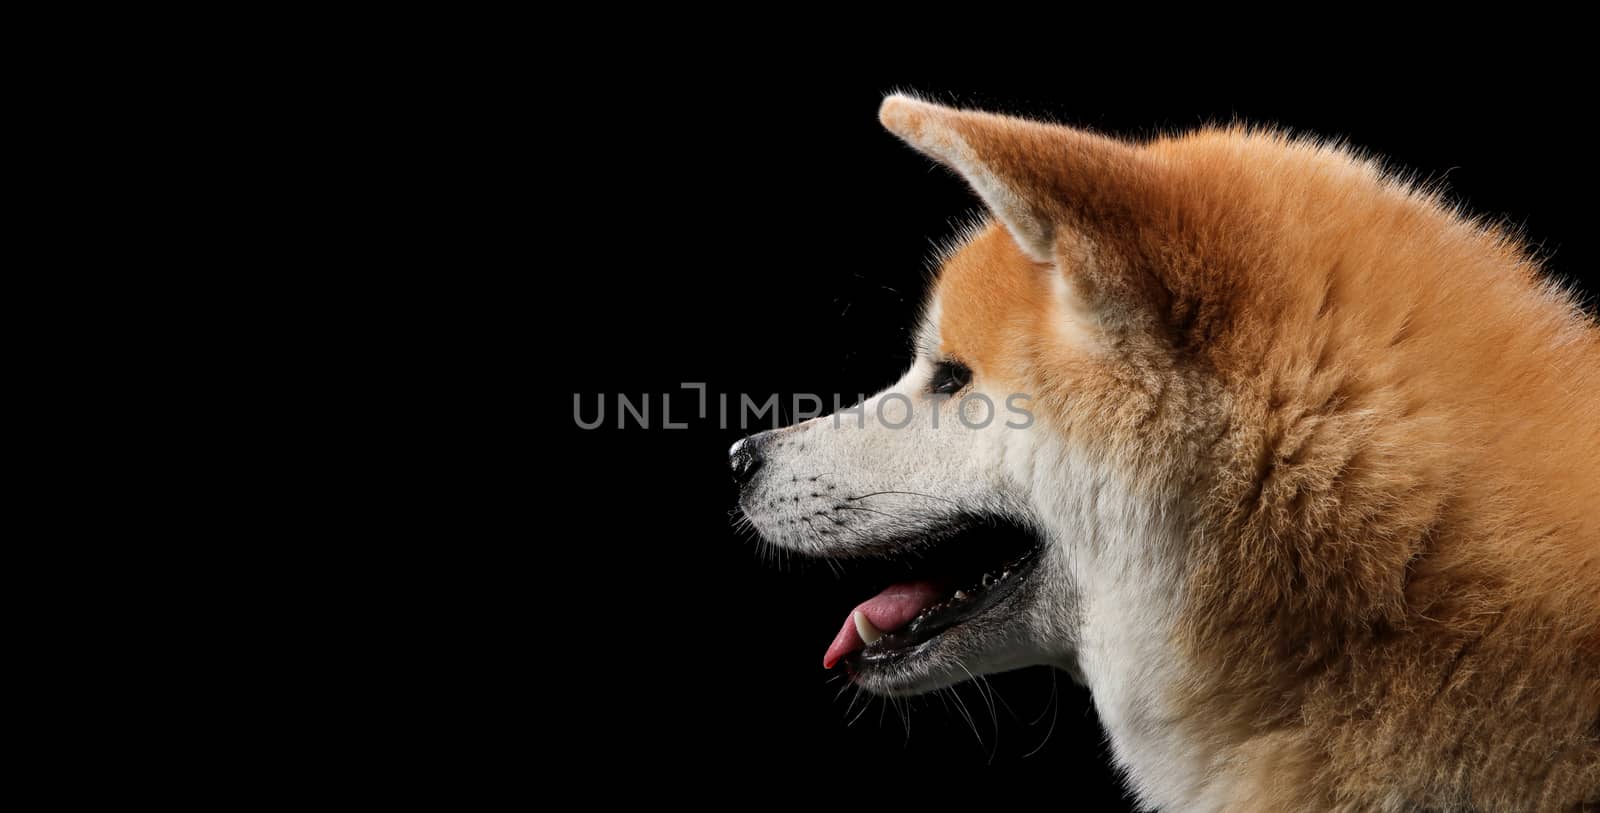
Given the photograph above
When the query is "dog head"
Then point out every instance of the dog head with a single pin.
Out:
(1093, 372)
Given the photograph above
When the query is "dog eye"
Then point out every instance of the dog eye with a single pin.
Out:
(949, 377)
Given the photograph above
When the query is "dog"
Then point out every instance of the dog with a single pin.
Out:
(1303, 466)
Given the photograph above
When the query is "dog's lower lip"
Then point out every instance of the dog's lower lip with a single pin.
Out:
(939, 580)
(944, 616)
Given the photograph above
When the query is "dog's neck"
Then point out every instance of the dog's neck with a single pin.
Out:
(1124, 555)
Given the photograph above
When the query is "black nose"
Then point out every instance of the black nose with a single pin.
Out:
(745, 458)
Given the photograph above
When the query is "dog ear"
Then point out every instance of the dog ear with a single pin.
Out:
(1038, 179)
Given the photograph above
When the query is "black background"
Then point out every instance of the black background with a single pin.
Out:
(762, 234)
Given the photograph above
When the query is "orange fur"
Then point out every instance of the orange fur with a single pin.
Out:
(1384, 426)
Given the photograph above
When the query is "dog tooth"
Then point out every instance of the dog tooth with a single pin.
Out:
(869, 634)
(961, 595)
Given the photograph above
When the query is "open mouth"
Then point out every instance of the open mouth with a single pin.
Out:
(952, 578)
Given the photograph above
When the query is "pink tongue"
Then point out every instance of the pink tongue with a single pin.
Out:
(888, 611)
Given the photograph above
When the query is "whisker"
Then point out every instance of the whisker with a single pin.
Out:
(864, 707)
(868, 510)
(1055, 705)
(971, 723)
(910, 493)
(989, 702)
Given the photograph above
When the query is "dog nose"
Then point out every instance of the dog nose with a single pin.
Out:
(745, 458)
